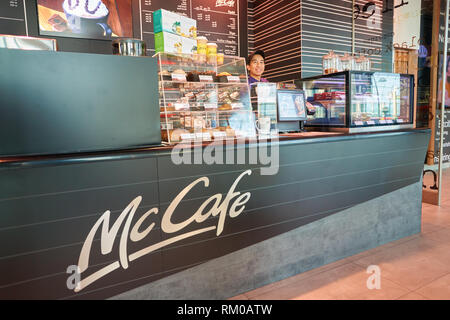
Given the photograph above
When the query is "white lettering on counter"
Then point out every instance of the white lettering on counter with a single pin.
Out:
(232, 204)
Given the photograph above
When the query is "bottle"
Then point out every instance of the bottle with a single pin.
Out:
(333, 62)
(359, 63)
(211, 53)
(346, 62)
(364, 63)
(338, 63)
(326, 60)
(353, 64)
(368, 64)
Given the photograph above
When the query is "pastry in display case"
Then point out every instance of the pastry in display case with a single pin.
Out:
(359, 101)
(204, 100)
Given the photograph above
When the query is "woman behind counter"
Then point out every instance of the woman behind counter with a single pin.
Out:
(256, 66)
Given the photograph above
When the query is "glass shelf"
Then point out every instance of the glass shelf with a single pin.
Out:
(182, 102)
(358, 101)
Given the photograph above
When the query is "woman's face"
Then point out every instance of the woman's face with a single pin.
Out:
(256, 66)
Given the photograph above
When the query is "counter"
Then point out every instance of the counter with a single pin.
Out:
(140, 226)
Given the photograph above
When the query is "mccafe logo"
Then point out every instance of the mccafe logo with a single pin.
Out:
(225, 3)
(232, 205)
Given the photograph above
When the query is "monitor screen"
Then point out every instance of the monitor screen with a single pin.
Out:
(291, 105)
(90, 19)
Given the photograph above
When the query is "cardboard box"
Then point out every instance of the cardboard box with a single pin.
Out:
(168, 42)
(188, 27)
(168, 21)
(189, 45)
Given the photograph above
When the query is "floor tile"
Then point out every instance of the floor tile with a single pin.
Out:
(412, 296)
(347, 282)
(428, 227)
(435, 217)
(442, 236)
(439, 289)
(412, 264)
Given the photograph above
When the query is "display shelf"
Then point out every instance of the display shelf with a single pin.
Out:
(189, 107)
(360, 101)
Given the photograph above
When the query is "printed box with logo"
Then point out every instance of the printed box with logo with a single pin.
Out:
(188, 27)
(168, 42)
(168, 21)
(189, 45)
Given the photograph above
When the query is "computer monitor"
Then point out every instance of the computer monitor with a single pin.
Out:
(291, 105)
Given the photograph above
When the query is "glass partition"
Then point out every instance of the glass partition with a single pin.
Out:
(380, 98)
(327, 96)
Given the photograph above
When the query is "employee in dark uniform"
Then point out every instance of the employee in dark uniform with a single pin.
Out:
(256, 66)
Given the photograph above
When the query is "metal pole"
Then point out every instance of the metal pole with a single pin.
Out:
(441, 120)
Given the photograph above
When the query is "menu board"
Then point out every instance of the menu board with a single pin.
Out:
(446, 152)
(217, 20)
(12, 17)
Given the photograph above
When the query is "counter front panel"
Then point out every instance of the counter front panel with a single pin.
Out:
(132, 219)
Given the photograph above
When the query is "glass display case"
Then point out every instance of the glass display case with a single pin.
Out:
(359, 101)
(204, 100)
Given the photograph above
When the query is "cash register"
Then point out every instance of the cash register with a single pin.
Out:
(291, 110)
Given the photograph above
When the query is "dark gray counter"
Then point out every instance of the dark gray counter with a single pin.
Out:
(332, 197)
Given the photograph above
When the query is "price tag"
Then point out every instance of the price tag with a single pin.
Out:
(237, 105)
(204, 136)
(370, 122)
(383, 122)
(359, 123)
(233, 79)
(210, 105)
(390, 121)
(205, 78)
(178, 77)
(187, 136)
(166, 126)
(219, 134)
(181, 106)
(400, 120)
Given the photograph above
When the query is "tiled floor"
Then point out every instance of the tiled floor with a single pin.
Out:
(412, 268)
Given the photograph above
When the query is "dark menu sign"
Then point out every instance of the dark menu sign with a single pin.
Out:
(217, 20)
(12, 17)
(437, 136)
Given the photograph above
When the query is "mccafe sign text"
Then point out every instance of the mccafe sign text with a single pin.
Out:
(232, 205)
